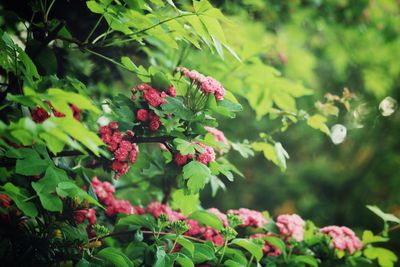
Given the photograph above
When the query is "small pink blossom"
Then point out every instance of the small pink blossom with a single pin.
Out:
(291, 226)
(142, 115)
(250, 217)
(343, 238)
(120, 206)
(157, 208)
(207, 155)
(171, 91)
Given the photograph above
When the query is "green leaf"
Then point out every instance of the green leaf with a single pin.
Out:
(46, 187)
(207, 218)
(159, 81)
(115, 257)
(277, 242)
(145, 221)
(187, 203)
(19, 196)
(231, 263)
(253, 248)
(70, 189)
(32, 163)
(387, 217)
(79, 132)
(317, 121)
(281, 155)
(309, 260)
(184, 261)
(82, 102)
(175, 106)
(243, 148)
(203, 252)
(268, 150)
(386, 258)
(186, 148)
(368, 237)
(197, 174)
(187, 244)
(128, 63)
(224, 107)
(236, 255)
(95, 7)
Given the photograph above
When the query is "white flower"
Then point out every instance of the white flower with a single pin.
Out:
(338, 133)
(388, 106)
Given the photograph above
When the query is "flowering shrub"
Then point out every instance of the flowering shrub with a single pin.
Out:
(120, 187)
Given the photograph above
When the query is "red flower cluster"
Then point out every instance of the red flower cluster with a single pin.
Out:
(206, 232)
(4, 201)
(125, 152)
(144, 116)
(39, 114)
(208, 85)
(204, 157)
(152, 97)
(81, 215)
(105, 192)
(343, 238)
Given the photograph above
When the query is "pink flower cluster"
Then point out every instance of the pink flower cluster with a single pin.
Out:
(144, 116)
(204, 157)
(343, 238)
(39, 114)
(268, 248)
(207, 85)
(157, 208)
(291, 226)
(250, 217)
(105, 192)
(125, 152)
(218, 135)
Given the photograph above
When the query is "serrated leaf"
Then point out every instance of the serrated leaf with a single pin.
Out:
(187, 148)
(385, 257)
(196, 175)
(368, 237)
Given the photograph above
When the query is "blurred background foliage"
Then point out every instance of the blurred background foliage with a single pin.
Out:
(291, 54)
(328, 45)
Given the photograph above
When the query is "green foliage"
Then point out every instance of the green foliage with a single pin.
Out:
(51, 146)
(197, 175)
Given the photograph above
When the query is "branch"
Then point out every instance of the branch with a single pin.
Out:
(51, 36)
(146, 233)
